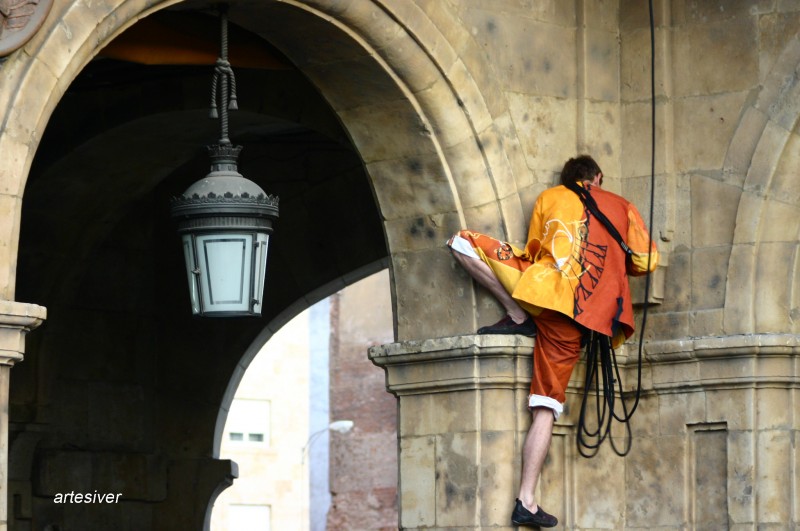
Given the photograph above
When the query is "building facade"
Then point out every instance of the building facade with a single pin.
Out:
(385, 126)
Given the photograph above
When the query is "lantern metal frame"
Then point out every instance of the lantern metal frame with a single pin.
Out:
(225, 220)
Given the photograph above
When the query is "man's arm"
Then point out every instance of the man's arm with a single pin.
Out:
(638, 239)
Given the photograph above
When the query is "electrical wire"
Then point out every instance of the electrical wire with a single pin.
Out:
(602, 371)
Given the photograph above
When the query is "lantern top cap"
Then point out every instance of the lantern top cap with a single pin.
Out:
(224, 191)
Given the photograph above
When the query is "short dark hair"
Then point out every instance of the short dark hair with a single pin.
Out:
(580, 168)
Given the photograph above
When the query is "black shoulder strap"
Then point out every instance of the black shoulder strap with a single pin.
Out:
(591, 205)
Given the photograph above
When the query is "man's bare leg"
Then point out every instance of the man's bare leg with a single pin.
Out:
(537, 443)
(484, 276)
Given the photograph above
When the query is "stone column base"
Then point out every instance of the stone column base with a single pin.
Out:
(462, 419)
(714, 436)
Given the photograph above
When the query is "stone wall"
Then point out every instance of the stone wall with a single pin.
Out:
(461, 112)
(363, 467)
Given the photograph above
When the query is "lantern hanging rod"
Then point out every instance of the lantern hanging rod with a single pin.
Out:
(224, 80)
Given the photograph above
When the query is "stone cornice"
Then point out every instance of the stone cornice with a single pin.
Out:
(16, 320)
(474, 361)
(722, 346)
(455, 363)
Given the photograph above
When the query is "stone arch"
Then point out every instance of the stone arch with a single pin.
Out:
(272, 327)
(446, 154)
(763, 157)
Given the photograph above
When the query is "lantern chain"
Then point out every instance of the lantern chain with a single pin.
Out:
(226, 81)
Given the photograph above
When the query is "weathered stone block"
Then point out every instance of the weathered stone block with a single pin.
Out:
(780, 221)
(420, 293)
(545, 125)
(374, 86)
(668, 324)
(742, 477)
(774, 479)
(714, 210)
(516, 222)
(707, 125)
(709, 487)
(457, 474)
(498, 474)
(743, 145)
(417, 461)
(602, 14)
(498, 407)
(504, 34)
(447, 117)
(602, 65)
(774, 406)
(636, 147)
(701, 45)
(706, 322)
(633, 15)
(708, 277)
(471, 177)
(401, 136)
(677, 410)
(600, 499)
(766, 158)
(652, 470)
(772, 300)
(773, 29)
(603, 139)
(784, 186)
(421, 233)
(398, 196)
(452, 412)
(678, 285)
(635, 82)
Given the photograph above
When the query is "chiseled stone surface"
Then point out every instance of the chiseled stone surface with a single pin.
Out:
(462, 111)
(462, 409)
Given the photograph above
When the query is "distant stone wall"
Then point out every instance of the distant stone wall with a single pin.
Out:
(363, 469)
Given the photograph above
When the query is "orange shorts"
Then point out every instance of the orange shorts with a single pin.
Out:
(558, 338)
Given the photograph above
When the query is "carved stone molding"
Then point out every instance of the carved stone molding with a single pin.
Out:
(19, 20)
(16, 320)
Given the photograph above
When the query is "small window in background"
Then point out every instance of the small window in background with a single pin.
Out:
(250, 419)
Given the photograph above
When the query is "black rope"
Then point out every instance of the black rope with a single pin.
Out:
(602, 371)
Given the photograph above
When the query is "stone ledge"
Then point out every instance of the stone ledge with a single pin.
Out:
(449, 347)
(455, 363)
(18, 314)
(722, 346)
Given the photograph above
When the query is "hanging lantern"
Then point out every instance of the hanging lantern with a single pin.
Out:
(225, 221)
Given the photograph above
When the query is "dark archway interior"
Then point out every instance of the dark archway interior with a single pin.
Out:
(120, 366)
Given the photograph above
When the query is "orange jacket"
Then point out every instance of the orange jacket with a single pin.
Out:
(578, 268)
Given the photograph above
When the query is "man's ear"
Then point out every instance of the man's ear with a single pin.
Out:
(598, 179)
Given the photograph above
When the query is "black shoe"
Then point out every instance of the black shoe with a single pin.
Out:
(506, 325)
(522, 516)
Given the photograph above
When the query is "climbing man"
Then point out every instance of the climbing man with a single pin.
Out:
(571, 277)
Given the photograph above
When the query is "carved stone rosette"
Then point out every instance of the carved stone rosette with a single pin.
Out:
(19, 21)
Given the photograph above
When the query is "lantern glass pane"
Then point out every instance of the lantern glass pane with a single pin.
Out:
(226, 271)
(191, 265)
(260, 270)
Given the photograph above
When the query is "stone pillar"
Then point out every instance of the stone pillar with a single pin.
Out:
(714, 436)
(461, 422)
(16, 319)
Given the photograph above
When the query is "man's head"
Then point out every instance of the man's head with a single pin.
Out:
(582, 168)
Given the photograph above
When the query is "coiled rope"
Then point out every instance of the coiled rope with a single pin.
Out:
(602, 371)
